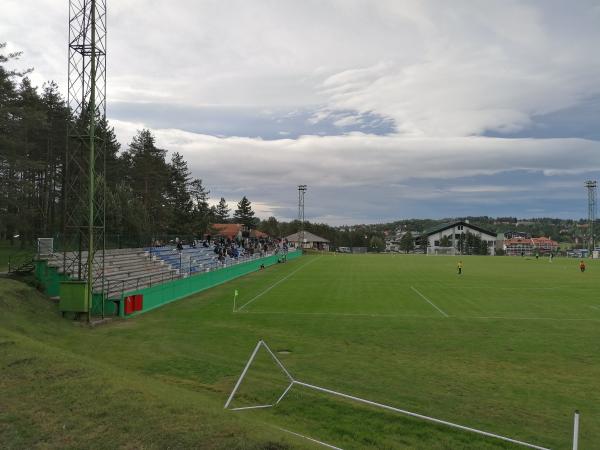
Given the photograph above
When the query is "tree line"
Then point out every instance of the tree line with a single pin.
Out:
(147, 194)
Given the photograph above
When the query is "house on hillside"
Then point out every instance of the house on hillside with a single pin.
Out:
(310, 240)
(453, 233)
(516, 234)
(392, 242)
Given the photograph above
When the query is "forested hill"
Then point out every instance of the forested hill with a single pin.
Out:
(561, 230)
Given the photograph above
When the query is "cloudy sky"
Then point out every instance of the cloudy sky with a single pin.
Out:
(387, 109)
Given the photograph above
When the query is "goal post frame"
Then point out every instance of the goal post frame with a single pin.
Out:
(313, 387)
(441, 251)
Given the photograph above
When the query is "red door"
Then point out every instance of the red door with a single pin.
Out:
(129, 304)
(139, 302)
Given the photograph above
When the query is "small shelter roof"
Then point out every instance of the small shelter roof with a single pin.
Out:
(310, 237)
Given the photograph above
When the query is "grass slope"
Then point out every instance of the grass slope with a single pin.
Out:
(512, 347)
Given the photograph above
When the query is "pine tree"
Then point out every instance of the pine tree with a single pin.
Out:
(244, 214)
(201, 212)
(179, 196)
(221, 211)
(148, 175)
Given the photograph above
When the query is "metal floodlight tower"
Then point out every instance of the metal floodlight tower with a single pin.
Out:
(301, 192)
(591, 188)
(84, 214)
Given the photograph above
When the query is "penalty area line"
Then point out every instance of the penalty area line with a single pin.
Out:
(429, 301)
(275, 284)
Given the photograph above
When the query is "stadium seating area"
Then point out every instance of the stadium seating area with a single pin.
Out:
(188, 260)
(124, 269)
(137, 268)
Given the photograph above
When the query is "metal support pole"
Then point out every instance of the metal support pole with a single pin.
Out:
(239, 381)
(576, 430)
(91, 168)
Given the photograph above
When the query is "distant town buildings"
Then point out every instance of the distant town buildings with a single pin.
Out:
(521, 246)
(516, 234)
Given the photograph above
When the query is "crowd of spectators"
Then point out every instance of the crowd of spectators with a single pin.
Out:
(224, 248)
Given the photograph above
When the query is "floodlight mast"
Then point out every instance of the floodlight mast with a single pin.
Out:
(591, 188)
(301, 192)
(84, 213)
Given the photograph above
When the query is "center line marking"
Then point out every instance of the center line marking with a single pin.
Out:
(429, 301)
(273, 285)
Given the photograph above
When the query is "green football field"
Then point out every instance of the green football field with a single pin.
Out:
(511, 346)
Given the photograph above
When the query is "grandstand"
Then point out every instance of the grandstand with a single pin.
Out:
(124, 269)
(134, 270)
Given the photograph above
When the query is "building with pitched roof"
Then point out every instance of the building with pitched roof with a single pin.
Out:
(310, 241)
(453, 233)
(519, 246)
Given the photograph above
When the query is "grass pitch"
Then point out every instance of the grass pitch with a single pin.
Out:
(511, 346)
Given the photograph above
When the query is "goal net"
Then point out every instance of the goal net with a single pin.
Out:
(442, 251)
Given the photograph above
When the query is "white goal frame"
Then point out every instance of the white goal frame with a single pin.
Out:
(441, 251)
(294, 382)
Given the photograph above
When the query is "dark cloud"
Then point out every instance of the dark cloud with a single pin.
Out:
(579, 121)
(252, 122)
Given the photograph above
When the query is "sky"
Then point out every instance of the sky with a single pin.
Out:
(386, 109)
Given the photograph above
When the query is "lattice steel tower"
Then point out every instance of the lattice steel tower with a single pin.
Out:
(301, 192)
(591, 188)
(84, 215)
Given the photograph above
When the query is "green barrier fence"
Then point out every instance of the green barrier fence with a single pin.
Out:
(160, 294)
(164, 293)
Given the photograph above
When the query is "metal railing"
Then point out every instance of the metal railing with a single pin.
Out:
(117, 288)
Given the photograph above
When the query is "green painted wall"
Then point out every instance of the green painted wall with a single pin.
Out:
(73, 296)
(49, 278)
(162, 294)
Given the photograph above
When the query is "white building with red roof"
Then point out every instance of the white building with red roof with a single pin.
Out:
(519, 246)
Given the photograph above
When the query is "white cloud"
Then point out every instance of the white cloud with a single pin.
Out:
(376, 160)
(437, 68)
(443, 71)
(381, 170)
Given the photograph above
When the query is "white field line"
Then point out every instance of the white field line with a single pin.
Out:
(429, 301)
(276, 283)
(595, 307)
(558, 319)
(414, 316)
(326, 314)
(324, 444)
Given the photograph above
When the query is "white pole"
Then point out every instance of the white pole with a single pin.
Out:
(279, 363)
(576, 430)
(239, 381)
